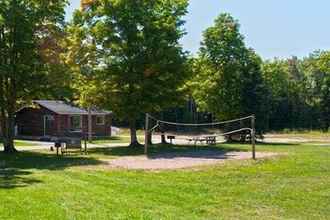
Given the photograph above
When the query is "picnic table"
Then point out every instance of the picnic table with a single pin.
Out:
(171, 138)
(211, 139)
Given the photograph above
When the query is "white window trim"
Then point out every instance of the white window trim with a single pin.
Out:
(103, 120)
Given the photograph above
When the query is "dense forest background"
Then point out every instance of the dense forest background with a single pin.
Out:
(297, 95)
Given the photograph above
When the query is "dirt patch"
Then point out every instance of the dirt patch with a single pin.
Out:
(170, 161)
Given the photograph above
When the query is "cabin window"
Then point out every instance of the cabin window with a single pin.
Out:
(100, 120)
(49, 118)
(75, 122)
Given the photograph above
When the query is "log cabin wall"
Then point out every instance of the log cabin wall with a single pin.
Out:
(101, 130)
(30, 122)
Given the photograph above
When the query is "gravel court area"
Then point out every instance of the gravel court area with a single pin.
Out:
(171, 161)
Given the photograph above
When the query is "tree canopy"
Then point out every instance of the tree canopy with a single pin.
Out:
(142, 64)
(24, 26)
(228, 79)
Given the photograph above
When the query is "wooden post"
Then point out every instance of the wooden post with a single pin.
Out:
(85, 143)
(253, 137)
(146, 135)
(89, 119)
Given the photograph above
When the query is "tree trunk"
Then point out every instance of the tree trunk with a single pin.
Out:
(163, 138)
(8, 133)
(90, 129)
(150, 138)
(134, 140)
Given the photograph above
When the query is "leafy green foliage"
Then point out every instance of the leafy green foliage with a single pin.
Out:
(82, 58)
(299, 92)
(24, 25)
(228, 79)
(142, 65)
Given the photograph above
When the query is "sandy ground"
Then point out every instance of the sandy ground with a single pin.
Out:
(170, 161)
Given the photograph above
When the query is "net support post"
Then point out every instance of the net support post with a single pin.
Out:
(253, 136)
(146, 135)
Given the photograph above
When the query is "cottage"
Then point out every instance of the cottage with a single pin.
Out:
(57, 118)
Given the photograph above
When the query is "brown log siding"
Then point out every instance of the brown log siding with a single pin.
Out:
(30, 122)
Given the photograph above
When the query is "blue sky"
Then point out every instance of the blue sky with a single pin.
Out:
(274, 28)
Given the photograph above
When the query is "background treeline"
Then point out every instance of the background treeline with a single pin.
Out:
(295, 96)
(298, 92)
(229, 80)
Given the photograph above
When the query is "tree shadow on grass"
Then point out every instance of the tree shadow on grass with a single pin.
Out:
(116, 151)
(15, 178)
(277, 144)
(198, 152)
(15, 170)
(167, 150)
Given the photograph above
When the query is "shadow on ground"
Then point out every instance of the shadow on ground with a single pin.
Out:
(277, 143)
(166, 151)
(16, 169)
(14, 178)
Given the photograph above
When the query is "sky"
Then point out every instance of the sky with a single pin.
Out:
(273, 28)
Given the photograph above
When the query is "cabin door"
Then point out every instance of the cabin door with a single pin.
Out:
(48, 125)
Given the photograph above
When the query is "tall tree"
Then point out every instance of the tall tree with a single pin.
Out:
(228, 79)
(22, 69)
(323, 63)
(143, 63)
(83, 59)
(276, 79)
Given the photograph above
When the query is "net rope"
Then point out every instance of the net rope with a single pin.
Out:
(201, 130)
(201, 124)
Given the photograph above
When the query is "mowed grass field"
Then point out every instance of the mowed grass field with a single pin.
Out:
(20, 143)
(295, 185)
(122, 137)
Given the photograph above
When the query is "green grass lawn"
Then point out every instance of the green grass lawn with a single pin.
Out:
(122, 137)
(42, 186)
(302, 133)
(117, 140)
(21, 143)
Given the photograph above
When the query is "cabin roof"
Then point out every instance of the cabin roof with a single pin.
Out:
(63, 108)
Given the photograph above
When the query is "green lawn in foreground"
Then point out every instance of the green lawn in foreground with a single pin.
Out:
(42, 186)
